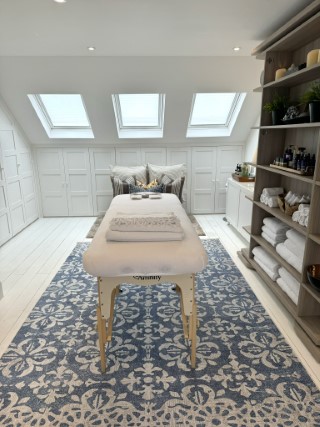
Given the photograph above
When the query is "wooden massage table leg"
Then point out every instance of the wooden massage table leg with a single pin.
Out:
(102, 339)
(183, 316)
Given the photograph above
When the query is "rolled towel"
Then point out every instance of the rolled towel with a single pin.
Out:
(263, 198)
(272, 202)
(280, 236)
(296, 216)
(285, 287)
(296, 237)
(306, 221)
(288, 195)
(297, 250)
(288, 256)
(266, 259)
(275, 225)
(273, 275)
(274, 191)
(303, 206)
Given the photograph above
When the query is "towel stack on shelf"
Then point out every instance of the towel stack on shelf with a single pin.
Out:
(292, 249)
(289, 284)
(302, 214)
(269, 196)
(268, 264)
(274, 230)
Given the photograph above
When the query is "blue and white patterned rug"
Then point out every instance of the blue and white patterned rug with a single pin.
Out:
(246, 373)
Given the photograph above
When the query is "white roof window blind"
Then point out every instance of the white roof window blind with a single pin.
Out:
(214, 114)
(139, 115)
(62, 115)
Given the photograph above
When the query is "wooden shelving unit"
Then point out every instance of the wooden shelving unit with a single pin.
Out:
(292, 48)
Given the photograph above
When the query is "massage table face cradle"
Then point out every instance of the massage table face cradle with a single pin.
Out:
(108, 288)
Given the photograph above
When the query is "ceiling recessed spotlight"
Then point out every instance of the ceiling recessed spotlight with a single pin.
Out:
(236, 48)
(91, 48)
(60, 1)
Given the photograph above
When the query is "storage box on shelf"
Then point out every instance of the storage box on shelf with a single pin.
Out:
(273, 140)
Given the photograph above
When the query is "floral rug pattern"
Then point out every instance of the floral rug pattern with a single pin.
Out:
(246, 373)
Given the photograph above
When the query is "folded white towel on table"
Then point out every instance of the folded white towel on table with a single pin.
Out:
(274, 191)
(288, 256)
(297, 250)
(147, 223)
(296, 237)
(266, 259)
(286, 288)
(273, 275)
(275, 225)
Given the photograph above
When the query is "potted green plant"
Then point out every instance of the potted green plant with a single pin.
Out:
(277, 107)
(312, 98)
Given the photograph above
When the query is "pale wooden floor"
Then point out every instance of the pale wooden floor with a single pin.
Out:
(30, 260)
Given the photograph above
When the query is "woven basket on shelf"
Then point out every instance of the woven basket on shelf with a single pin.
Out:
(285, 207)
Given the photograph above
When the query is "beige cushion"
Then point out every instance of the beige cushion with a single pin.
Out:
(173, 172)
(123, 172)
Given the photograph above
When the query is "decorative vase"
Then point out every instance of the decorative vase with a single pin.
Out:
(314, 110)
(277, 115)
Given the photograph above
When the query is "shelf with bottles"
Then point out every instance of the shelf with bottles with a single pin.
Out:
(286, 172)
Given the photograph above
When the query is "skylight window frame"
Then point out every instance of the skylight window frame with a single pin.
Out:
(59, 132)
(139, 131)
(216, 130)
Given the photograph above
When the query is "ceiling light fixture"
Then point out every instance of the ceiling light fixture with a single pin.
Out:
(60, 1)
(91, 48)
(236, 48)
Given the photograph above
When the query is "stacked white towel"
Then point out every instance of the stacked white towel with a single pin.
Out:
(289, 284)
(269, 196)
(292, 250)
(274, 230)
(266, 262)
(149, 227)
(302, 214)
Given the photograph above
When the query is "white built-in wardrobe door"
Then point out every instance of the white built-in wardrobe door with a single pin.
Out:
(101, 159)
(11, 165)
(5, 223)
(227, 159)
(53, 184)
(176, 156)
(153, 155)
(128, 156)
(27, 184)
(203, 180)
(78, 179)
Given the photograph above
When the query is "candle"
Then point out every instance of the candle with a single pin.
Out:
(312, 57)
(280, 73)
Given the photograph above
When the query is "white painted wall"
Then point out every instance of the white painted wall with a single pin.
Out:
(251, 146)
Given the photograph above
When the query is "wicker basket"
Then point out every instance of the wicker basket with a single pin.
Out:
(285, 207)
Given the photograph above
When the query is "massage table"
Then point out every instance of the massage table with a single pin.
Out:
(145, 263)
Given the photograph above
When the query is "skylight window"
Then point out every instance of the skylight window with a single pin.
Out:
(62, 115)
(214, 114)
(139, 115)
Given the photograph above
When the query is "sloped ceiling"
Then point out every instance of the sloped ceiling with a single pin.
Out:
(174, 47)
